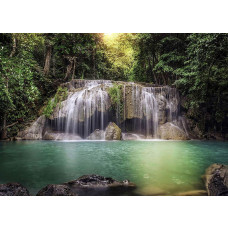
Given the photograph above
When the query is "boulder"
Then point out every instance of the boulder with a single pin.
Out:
(89, 185)
(97, 135)
(216, 180)
(113, 132)
(169, 131)
(56, 190)
(35, 131)
(13, 189)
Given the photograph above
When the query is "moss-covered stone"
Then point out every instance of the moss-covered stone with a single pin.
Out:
(113, 132)
(60, 96)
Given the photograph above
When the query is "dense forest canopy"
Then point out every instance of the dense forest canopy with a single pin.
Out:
(32, 66)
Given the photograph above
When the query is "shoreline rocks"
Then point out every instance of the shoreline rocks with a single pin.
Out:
(56, 190)
(216, 180)
(89, 185)
(13, 189)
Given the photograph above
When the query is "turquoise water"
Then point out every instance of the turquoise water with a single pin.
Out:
(156, 167)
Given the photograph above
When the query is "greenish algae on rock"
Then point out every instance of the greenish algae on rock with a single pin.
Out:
(113, 132)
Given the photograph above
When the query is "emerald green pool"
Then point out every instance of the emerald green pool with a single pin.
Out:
(156, 167)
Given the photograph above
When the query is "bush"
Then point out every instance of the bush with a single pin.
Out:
(60, 96)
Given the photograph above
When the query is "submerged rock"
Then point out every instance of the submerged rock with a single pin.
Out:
(35, 131)
(13, 189)
(113, 132)
(169, 131)
(56, 190)
(89, 185)
(97, 135)
(216, 180)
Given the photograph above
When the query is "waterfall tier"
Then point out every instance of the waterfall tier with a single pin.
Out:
(141, 109)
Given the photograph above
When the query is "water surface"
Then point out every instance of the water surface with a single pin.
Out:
(156, 167)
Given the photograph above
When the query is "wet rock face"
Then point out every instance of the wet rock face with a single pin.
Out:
(56, 190)
(89, 185)
(13, 189)
(35, 131)
(113, 132)
(169, 131)
(97, 135)
(216, 180)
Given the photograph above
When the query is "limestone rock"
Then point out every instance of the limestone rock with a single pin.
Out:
(97, 135)
(35, 131)
(113, 132)
(216, 180)
(13, 189)
(169, 131)
(56, 190)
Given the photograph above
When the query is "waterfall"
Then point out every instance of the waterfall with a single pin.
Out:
(85, 110)
(142, 110)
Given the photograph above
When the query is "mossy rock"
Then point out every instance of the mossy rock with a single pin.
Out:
(113, 132)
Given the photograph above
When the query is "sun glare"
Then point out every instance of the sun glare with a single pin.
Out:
(110, 36)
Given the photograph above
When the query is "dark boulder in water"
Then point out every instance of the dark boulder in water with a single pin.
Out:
(13, 189)
(216, 180)
(89, 185)
(56, 190)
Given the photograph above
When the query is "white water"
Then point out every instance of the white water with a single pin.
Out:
(88, 108)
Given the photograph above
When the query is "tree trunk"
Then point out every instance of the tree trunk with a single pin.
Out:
(47, 59)
(53, 62)
(74, 67)
(4, 132)
(14, 47)
(71, 67)
(94, 64)
(164, 81)
(4, 128)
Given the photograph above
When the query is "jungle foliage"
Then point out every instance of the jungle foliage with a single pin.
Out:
(32, 67)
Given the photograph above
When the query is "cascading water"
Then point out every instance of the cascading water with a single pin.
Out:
(142, 109)
(85, 110)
